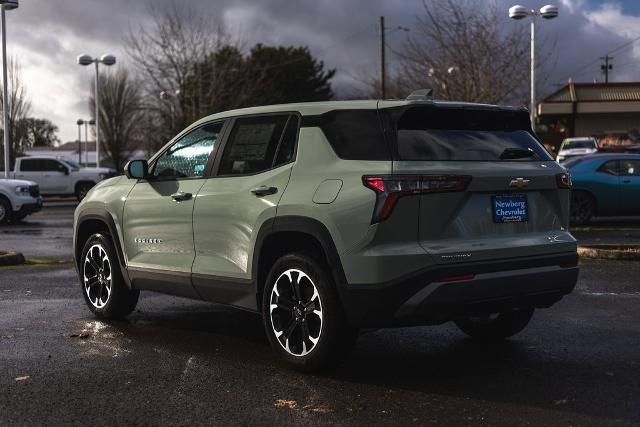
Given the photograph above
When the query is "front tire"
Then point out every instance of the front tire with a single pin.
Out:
(501, 326)
(102, 285)
(303, 317)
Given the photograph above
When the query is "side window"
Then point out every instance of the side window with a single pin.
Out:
(50, 165)
(611, 168)
(287, 147)
(30, 165)
(630, 167)
(252, 145)
(188, 157)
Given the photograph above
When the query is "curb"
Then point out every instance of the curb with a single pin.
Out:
(11, 258)
(617, 252)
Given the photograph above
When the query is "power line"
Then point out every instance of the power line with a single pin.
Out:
(582, 69)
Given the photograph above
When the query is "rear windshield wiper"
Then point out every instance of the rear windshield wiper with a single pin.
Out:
(517, 153)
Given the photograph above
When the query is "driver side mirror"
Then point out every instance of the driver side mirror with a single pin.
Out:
(137, 169)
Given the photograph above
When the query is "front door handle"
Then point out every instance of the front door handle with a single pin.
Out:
(626, 181)
(181, 196)
(264, 190)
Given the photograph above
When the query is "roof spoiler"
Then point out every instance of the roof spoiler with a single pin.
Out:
(421, 95)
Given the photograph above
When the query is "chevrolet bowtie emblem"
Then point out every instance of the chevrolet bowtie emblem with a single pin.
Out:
(519, 183)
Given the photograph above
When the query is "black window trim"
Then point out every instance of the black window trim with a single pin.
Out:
(232, 120)
(207, 169)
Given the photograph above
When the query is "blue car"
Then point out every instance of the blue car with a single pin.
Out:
(604, 185)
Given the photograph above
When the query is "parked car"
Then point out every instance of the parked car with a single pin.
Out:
(59, 177)
(329, 217)
(604, 185)
(573, 147)
(18, 198)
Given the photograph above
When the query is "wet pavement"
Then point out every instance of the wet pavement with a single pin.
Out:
(176, 361)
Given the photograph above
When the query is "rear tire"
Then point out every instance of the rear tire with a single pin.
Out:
(82, 189)
(101, 282)
(6, 212)
(504, 325)
(583, 208)
(303, 318)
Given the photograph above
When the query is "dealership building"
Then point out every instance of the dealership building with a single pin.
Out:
(603, 110)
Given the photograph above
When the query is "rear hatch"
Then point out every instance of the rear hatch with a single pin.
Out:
(488, 189)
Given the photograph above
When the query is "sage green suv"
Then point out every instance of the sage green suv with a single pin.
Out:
(329, 217)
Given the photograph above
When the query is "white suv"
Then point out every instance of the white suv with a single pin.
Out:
(18, 199)
(574, 147)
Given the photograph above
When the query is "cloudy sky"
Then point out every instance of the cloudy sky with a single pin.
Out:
(47, 35)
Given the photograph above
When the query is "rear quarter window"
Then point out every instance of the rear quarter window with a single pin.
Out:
(355, 134)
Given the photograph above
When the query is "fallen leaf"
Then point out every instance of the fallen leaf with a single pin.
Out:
(6, 337)
(82, 335)
(25, 378)
(561, 402)
(283, 403)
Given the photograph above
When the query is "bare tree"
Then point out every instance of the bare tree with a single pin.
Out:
(19, 109)
(464, 53)
(121, 115)
(167, 56)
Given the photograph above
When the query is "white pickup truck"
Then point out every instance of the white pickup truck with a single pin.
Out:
(59, 177)
(18, 199)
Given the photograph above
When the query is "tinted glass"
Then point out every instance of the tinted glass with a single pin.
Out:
(425, 133)
(252, 145)
(50, 165)
(30, 165)
(355, 134)
(611, 167)
(288, 144)
(188, 157)
(630, 167)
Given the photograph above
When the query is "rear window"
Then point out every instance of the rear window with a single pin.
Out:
(355, 134)
(428, 133)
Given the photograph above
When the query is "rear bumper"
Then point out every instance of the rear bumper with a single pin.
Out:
(425, 298)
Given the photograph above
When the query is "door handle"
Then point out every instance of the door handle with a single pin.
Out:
(181, 196)
(626, 181)
(264, 190)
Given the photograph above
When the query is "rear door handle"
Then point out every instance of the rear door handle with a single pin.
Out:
(264, 190)
(626, 181)
(181, 196)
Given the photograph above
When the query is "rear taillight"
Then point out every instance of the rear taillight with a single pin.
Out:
(389, 188)
(564, 181)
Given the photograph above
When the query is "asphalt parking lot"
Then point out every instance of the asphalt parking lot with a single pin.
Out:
(177, 361)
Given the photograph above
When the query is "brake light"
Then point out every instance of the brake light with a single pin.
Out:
(460, 278)
(389, 188)
(564, 181)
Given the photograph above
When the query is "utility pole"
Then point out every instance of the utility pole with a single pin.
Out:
(383, 71)
(606, 67)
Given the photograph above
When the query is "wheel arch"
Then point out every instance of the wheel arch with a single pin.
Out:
(94, 220)
(281, 235)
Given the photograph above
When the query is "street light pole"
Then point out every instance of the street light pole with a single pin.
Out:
(80, 122)
(6, 5)
(521, 12)
(532, 110)
(88, 60)
(97, 99)
(383, 65)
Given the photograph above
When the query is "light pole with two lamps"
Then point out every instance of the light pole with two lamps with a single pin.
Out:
(6, 5)
(88, 60)
(86, 123)
(521, 12)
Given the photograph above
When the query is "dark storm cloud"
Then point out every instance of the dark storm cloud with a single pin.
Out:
(47, 35)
